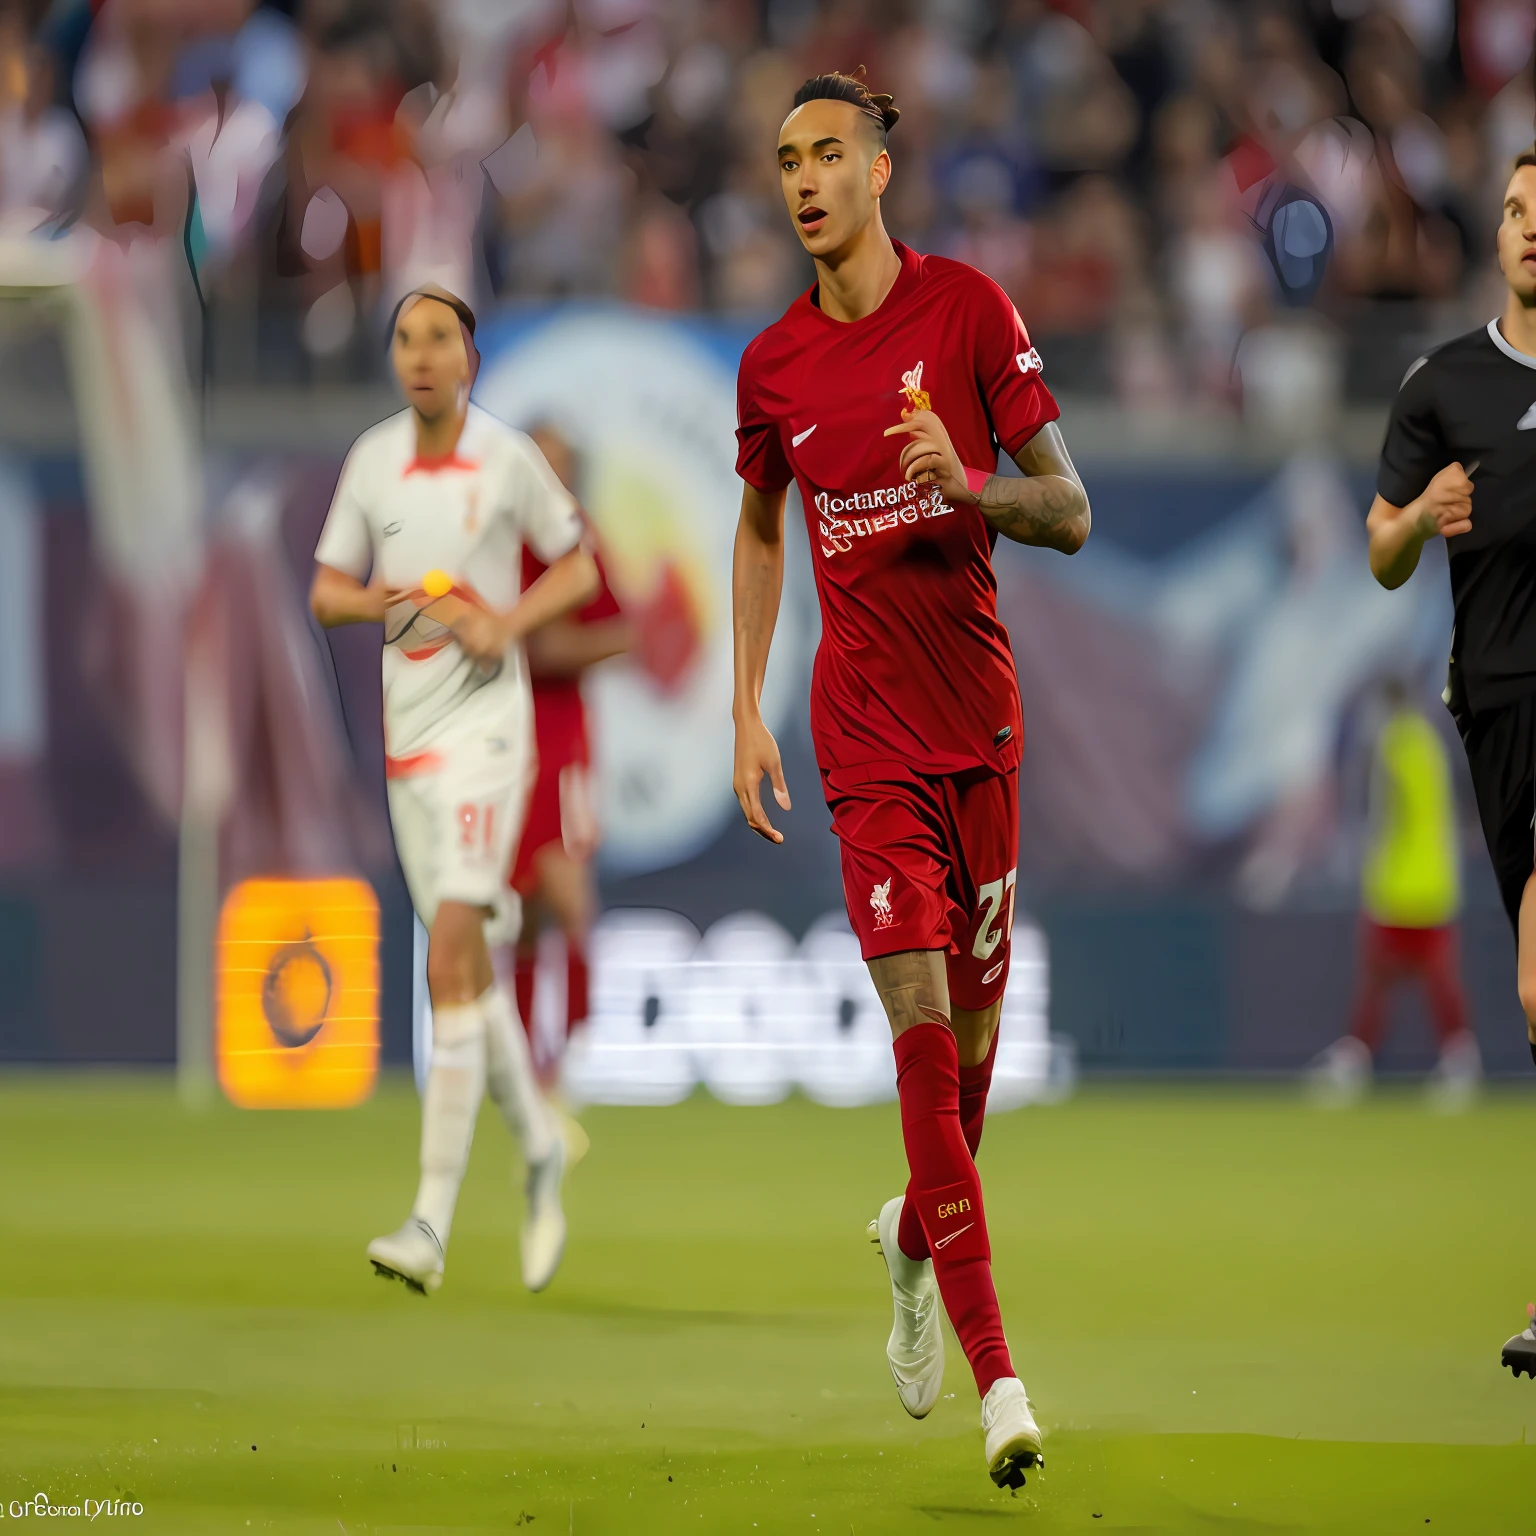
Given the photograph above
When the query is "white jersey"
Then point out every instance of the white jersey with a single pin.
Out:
(469, 516)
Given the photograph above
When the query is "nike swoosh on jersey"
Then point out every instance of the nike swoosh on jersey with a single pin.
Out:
(800, 437)
(949, 1237)
(1528, 421)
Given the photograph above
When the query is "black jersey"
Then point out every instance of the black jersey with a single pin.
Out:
(1473, 401)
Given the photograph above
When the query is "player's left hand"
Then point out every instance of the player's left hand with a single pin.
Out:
(482, 636)
(929, 458)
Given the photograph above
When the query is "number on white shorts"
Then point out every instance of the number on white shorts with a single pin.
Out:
(477, 828)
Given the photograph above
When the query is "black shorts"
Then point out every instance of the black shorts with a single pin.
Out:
(1501, 751)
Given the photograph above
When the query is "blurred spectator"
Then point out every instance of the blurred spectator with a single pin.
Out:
(623, 148)
(1410, 898)
(42, 151)
(1218, 284)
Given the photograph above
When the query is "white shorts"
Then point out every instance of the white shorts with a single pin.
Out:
(457, 812)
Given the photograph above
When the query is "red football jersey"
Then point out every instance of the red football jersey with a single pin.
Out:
(914, 666)
(559, 714)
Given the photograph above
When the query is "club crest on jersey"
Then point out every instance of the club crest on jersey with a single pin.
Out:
(880, 900)
(912, 387)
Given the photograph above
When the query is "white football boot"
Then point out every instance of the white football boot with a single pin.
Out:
(1340, 1075)
(1457, 1080)
(1013, 1437)
(543, 1241)
(413, 1254)
(915, 1349)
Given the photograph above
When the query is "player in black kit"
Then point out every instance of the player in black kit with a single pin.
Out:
(1459, 462)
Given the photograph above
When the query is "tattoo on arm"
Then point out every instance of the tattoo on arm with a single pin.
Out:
(1050, 510)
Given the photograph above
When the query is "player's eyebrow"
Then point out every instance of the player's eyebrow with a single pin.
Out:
(789, 149)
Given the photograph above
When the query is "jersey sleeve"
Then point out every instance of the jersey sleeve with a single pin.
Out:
(1415, 450)
(1008, 370)
(760, 457)
(544, 510)
(345, 542)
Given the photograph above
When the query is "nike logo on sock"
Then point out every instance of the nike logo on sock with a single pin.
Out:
(949, 1237)
(800, 437)
(1525, 423)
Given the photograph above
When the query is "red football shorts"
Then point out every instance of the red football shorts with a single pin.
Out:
(931, 863)
(560, 814)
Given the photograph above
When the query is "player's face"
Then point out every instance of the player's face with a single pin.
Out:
(429, 358)
(1517, 233)
(832, 173)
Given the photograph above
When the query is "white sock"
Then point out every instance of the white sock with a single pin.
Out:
(510, 1078)
(455, 1086)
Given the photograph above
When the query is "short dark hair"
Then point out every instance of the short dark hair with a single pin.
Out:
(880, 110)
(436, 291)
(1521, 161)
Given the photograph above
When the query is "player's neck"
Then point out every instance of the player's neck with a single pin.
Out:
(438, 437)
(853, 282)
(1518, 324)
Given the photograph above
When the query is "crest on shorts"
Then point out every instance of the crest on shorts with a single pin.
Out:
(880, 900)
(912, 387)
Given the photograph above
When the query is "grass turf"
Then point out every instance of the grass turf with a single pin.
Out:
(1234, 1314)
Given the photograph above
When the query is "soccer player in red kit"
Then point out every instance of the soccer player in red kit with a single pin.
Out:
(552, 871)
(885, 393)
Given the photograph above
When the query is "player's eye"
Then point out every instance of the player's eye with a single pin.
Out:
(788, 165)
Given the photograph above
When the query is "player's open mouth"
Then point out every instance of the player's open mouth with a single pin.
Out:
(811, 218)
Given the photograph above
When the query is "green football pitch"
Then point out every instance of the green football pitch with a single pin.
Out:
(1233, 1313)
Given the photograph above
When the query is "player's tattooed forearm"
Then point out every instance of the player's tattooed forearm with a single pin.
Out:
(1049, 510)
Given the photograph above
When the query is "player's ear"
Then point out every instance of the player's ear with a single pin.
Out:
(880, 173)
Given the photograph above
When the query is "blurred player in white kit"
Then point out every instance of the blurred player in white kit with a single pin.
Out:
(425, 535)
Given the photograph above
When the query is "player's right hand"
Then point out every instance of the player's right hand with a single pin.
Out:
(1445, 508)
(757, 753)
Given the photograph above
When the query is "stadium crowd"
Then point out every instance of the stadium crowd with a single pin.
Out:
(1090, 155)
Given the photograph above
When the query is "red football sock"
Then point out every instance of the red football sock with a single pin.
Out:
(946, 1192)
(524, 968)
(974, 1083)
(575, 985)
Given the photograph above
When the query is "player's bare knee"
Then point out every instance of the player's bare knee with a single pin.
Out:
(450, 976)
(455, 954)
(974, 1029)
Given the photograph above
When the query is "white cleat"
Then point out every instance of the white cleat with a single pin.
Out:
(1458, 1076)
(915, 1349)
(1013, 1437)
(413, 1254)
(543, 1242)
(1340, 1075)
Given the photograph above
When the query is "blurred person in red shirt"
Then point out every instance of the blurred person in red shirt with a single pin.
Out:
(552, 870)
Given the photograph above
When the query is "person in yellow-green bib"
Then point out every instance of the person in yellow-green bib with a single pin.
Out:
(1410, 897)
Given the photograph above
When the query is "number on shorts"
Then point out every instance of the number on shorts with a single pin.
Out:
(477, 828)
(991, 898)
